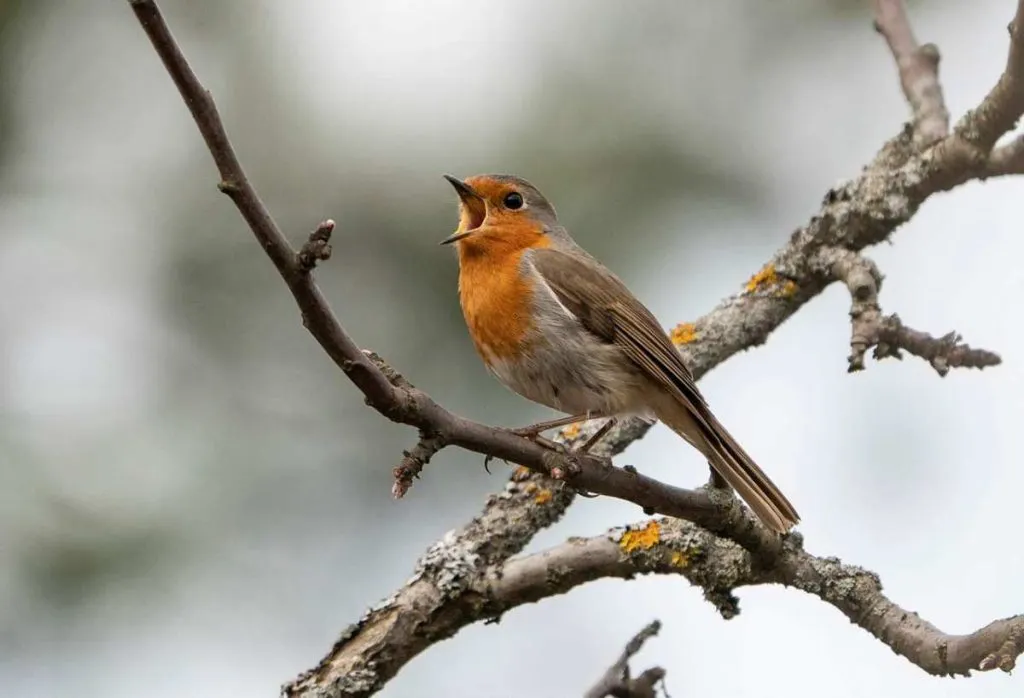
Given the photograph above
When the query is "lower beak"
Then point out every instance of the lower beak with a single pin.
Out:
(455, 237)
(473, 210)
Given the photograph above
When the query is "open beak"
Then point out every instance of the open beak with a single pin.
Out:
(473, 210)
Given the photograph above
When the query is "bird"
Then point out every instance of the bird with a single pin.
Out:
(557, 327)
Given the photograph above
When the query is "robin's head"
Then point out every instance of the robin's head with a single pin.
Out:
(500, 211)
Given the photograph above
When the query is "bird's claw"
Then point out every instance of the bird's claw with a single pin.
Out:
(487, 462)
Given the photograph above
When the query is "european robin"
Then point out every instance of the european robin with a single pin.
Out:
(557, 327)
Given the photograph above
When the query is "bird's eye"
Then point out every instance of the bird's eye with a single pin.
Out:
(513, 201)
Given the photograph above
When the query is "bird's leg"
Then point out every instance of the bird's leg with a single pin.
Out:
(717, 481)
(585, 447)
(534, 430)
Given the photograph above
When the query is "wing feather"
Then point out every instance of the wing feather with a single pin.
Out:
(605, 307)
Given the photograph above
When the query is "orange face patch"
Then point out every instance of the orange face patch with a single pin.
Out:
(496, 299)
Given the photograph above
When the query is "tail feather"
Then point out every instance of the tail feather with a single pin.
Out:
(730, 461)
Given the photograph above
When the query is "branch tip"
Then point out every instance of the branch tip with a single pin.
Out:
(616, 681)
(409, 468)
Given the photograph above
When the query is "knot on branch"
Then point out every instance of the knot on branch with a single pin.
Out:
(1005, 656)
(317, 247)
(413, 462)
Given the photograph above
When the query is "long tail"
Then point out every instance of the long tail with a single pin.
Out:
(730, 461)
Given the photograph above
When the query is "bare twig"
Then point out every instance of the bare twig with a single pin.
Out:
(919, 72)
(886, 333)
(616, 681)
(943, 353)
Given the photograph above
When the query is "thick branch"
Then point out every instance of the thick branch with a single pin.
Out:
(661, 546)
(919, 72)
(719, 567)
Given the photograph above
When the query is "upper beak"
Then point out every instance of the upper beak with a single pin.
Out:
(473, 210)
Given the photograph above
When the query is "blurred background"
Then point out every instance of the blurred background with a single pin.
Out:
(194, 501)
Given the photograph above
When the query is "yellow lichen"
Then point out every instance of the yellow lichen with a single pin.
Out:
(641, 538)
(684, 333)
(571, 431)
(679, 559)
(768, 280)
(530, 487)
(543, 497)
(521, 473)
(765, 277)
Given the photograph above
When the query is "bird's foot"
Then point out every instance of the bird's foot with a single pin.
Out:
(487, 462)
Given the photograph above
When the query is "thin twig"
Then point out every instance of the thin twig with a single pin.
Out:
(918, 70)
(616, 681)
(887, 333)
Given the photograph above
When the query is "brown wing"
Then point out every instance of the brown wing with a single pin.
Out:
(606, 307)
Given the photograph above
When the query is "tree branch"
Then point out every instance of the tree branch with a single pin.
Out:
(658, 546)
(667, 546)
(1007, 159)
(918, 71)
(469, 575)
(998, 113)
(886, 333)
(617, 683)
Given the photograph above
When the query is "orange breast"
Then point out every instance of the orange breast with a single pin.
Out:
(496, 301)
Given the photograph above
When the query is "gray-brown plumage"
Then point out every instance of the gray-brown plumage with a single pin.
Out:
(606, 308)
